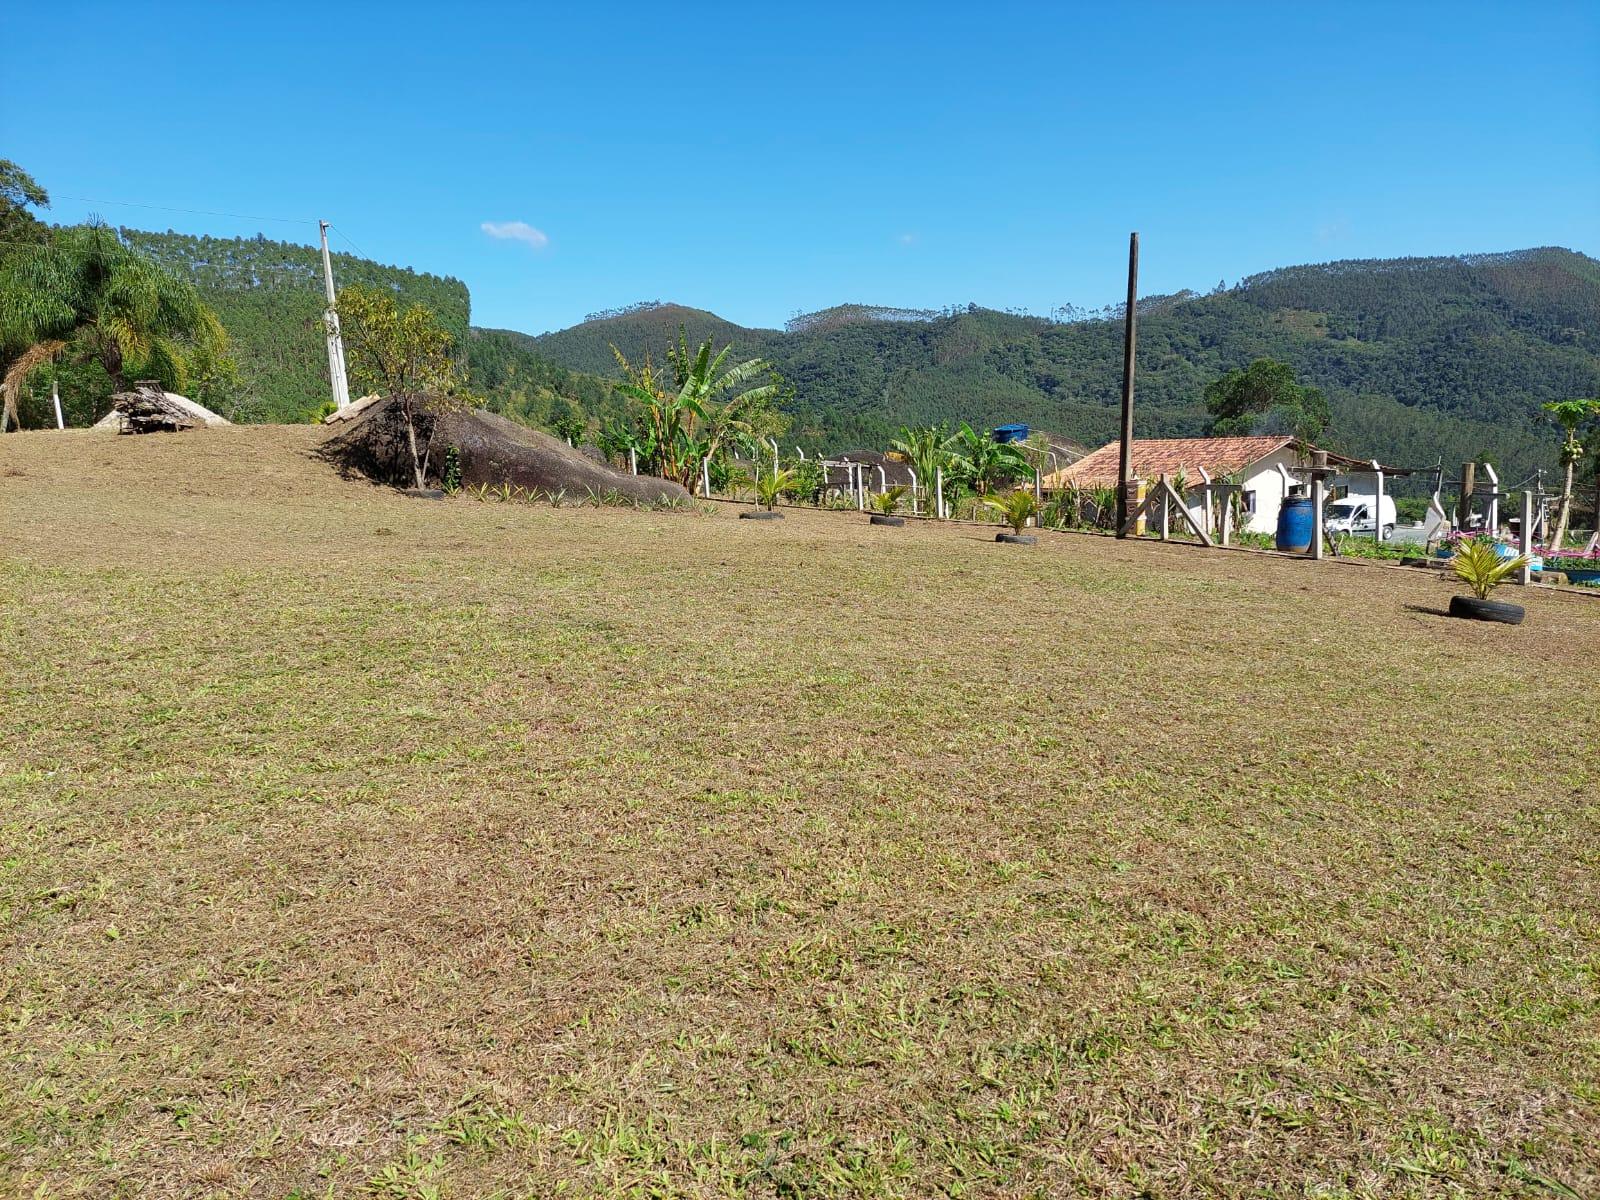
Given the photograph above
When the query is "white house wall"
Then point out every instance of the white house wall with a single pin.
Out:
(1265, 481)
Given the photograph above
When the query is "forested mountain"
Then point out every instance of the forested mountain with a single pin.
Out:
(1422, 359)
(269, 298)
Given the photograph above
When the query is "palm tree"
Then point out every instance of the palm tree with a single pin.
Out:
(924, 447)
(108, 304)
(1570, 414)
(983, 463)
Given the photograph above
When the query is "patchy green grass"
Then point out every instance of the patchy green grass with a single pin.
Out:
(352, 845)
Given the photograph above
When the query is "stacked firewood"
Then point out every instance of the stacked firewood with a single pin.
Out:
(146, 409)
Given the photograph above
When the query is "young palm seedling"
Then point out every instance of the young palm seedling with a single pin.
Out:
(769, 489)
(1480, 567)
(886, 503)
(1016, 508)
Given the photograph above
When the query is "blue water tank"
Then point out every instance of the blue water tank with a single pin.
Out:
(1010, 433)
(1296, 526)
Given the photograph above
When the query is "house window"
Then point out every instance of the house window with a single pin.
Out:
(1249, 501)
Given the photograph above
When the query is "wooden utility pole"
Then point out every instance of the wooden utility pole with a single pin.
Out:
(1130, 337)
(1469, 482)
(1319, 486)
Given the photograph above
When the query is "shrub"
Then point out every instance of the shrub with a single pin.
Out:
(1016, 507)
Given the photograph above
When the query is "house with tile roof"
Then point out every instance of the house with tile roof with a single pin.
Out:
(1262, 465)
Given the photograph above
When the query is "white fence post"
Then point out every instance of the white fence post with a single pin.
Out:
(1317, 486)
(1377, 516)
(705, 476)
(1525, 572)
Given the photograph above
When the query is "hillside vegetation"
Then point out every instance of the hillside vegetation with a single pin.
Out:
(269, 297)
(1420, 358)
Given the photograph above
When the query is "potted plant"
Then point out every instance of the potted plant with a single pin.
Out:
(1482, 569)
(885, 503)
(1016, 508)
(769, 490)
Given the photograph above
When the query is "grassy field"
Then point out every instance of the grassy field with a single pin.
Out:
(353, 845)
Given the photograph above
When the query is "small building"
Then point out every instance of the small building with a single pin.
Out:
(1261, 465)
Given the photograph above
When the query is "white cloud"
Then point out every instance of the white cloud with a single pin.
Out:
(1334, 230)
(907, 239)
(516, 231)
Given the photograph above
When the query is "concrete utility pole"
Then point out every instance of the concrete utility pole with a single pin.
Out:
(341, 385)
(1130, 337)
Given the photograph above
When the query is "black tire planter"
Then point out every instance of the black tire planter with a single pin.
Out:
(423, 493)
(1473, 609)
(761, 515)
(886, 519)
(1016, 539)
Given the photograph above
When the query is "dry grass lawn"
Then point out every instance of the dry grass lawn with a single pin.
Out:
(352, 845)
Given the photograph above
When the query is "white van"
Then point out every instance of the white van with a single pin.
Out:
(1353, 514)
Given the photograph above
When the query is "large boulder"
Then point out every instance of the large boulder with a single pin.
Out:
(491, 450)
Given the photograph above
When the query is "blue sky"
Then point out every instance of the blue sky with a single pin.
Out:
(761, 160)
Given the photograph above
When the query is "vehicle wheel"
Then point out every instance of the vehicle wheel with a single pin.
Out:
(1388, 532)
(1473, 609)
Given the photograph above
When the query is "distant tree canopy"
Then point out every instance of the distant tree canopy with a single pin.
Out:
(18, 193)
(1264, 398)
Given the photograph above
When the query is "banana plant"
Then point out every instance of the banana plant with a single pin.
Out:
(983, 463)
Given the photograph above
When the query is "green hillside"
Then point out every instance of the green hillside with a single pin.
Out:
(1421, 359)
(269, 298)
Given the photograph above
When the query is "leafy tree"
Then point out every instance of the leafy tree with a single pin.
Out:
(405, 354)
(18, 193)
(1570, 414)
(112, 306)
(567, 421)
(1265, 393)
(982, 463)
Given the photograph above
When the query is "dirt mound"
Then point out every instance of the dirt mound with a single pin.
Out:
(491, 450)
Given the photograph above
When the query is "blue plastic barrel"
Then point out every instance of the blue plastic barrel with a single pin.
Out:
(1295, 525)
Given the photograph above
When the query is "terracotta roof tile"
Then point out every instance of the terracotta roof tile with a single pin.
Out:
(1152, 456)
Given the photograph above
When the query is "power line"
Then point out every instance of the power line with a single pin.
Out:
(196, 212)
(349, 239)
